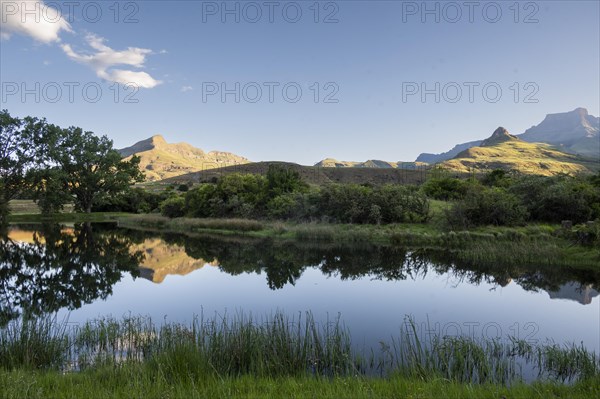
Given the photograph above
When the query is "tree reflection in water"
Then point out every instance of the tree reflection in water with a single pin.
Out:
(62, 268)
(284, 262)
(68, 268)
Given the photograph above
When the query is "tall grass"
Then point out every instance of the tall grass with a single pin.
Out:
(34, 343)
(279, 346)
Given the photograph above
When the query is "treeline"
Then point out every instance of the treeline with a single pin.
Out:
(506, 199)
(282, 194)
(57, 166)
(498, 198)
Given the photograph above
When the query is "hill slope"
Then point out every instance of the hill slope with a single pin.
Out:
(371, 163)
(161, 160)
(313, 174)
(505, 151)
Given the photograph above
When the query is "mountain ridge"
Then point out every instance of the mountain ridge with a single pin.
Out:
(161, 160)
(503, 150)
(575, 131)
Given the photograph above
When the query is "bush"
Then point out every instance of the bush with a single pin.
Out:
(487, 206)
(497, 178)
(234, 195)
(135, 200)
(202, 201)
(445, 188)
(282, 180)
(173, 207)
(351, 203)
(553, 199)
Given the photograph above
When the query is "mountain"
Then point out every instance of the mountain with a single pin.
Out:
(500, 135)
(502, 150)
(161, 160)
(576, 131)
(444, 156)
(371, 163)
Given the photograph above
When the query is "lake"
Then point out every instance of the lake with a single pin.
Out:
(87, 271)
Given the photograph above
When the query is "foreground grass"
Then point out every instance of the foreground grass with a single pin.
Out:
(132, 381)
(240, 357)
(278, 346)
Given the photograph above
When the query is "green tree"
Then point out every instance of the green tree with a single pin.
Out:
(90, 168)
(17, 156)
(446, 188)
(48, 190)
(282, 180)
(487, 206)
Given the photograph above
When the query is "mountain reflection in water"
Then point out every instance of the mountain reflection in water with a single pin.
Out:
(46, 268)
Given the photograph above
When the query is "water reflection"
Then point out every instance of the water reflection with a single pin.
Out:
(284, 263)
(54, 267)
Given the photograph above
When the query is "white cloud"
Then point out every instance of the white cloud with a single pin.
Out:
(186, 88)
(32, 18)
(103, 59)
(44, 23)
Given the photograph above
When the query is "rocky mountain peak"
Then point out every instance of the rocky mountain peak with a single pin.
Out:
(500, 135)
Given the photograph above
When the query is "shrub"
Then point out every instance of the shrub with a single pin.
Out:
(487, 206)
(553, 199)
(497, 178)
(282, 180)
(173, 207)
(445, 188)
(135, 200)
(350, 203)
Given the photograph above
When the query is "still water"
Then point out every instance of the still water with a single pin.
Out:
(88, 271)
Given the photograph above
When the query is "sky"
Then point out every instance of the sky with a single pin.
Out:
(300, 81)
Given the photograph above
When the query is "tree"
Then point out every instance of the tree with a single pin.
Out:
(88, 166)
(283, 180)
(17, 145)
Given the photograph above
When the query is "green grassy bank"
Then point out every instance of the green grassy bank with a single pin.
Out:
(276, 357)
(135, 382)
(535, 244)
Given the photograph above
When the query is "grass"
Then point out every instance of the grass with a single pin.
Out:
(530, 158)
(273, 357)
(277, 346)
(133, 381)
(27, 211)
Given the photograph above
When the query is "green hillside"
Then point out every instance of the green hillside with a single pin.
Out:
(505, 151)
(160, 160)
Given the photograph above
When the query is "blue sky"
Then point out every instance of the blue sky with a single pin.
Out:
(367, 59)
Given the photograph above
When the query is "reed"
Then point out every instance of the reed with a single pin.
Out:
(279, 346)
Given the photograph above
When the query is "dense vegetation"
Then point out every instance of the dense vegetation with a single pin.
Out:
(57, 166)
(281, 194)
(504, 199)
(498, 198)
